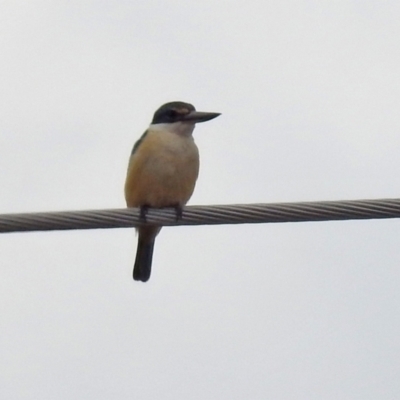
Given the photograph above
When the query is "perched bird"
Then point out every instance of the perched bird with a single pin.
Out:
(162, 171)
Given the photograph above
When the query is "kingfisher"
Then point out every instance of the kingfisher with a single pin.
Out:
(162, 172)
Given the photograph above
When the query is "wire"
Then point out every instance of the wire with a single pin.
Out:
(203, 215)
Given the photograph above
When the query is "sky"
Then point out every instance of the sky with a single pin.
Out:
(309, 93)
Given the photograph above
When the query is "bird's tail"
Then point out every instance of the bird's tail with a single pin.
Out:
(144, 253)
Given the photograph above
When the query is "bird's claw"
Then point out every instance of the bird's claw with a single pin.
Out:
(143, 213)
(179, 212)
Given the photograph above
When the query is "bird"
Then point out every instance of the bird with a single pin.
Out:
(162, 172)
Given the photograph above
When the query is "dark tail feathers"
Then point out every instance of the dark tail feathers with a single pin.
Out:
(144, 257)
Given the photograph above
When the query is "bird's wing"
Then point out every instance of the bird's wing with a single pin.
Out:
(137, 144)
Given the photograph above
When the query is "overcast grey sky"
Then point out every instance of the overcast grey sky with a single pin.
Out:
(309, 93)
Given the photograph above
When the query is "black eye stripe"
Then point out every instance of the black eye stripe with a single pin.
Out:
(172, 113)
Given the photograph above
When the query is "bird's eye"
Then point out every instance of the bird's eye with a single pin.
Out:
(172, 114)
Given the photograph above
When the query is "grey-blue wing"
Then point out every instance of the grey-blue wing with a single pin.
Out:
(137, 144)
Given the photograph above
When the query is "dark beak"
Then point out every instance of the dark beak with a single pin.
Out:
(199, 116)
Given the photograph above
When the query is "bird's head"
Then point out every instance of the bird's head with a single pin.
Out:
(180, 117)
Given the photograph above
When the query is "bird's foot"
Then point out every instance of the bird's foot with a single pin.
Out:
(179, 211)
(143, 212)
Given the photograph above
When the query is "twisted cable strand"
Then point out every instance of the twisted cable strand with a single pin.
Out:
(203, 215)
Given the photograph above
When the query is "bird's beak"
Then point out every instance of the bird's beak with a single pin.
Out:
(199, 116)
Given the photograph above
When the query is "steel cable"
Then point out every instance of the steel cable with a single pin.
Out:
(203, 215)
